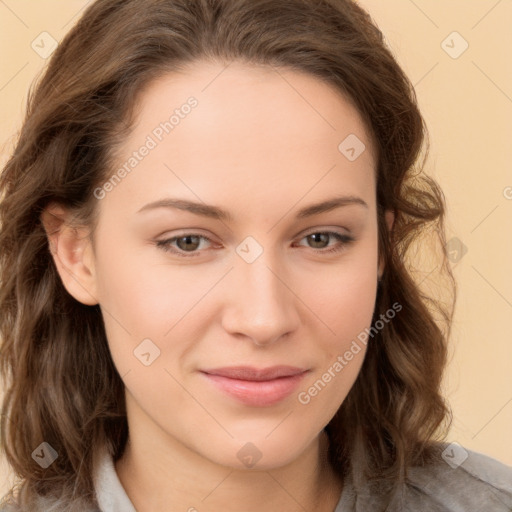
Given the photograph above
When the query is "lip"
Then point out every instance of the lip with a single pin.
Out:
(256, 387)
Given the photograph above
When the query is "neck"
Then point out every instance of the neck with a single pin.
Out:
(154, 477)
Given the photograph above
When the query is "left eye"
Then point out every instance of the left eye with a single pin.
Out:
(187, 245)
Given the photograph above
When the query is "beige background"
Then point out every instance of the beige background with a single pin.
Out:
(467, 103)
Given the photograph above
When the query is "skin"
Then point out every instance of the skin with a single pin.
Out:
(261, 144)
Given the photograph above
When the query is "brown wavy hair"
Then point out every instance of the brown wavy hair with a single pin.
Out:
(60, 384)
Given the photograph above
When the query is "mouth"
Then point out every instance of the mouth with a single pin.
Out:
(256, 387)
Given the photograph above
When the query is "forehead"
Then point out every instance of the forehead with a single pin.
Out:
(265, 133)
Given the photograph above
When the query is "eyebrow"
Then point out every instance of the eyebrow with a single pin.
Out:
(217, 213)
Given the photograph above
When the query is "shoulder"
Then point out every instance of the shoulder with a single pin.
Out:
(454, 479)
(459, 479)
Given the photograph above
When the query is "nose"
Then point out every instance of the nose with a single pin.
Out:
(261, 304)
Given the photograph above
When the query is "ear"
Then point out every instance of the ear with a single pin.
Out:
(390, 219)
(72, 253)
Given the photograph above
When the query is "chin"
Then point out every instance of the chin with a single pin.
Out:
(260, 451)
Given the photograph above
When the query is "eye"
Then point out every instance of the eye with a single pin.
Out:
(319, 239)
(187, 243)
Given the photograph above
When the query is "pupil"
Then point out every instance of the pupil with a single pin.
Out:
(188, 242)
(317, 237)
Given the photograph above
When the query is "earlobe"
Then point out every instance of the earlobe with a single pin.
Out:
(71, 251)
(390, 219)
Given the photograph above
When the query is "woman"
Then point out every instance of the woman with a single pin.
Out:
(206, 302)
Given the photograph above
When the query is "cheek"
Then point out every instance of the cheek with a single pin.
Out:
(144, 298)
(346, 318)
(144, 293)
(343, 296)
(341, 352)
(346, 299)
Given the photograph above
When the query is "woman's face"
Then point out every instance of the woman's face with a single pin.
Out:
(244, 270)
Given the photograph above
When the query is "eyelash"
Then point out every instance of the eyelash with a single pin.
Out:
(344, 240)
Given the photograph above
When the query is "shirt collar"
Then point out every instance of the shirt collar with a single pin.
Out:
(110, 493)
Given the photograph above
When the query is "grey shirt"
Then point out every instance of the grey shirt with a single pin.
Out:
(460, 481)
(478, 484)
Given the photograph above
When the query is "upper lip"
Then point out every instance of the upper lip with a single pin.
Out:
(255, 374)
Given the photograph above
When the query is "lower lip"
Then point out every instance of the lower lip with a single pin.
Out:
(257, 393)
